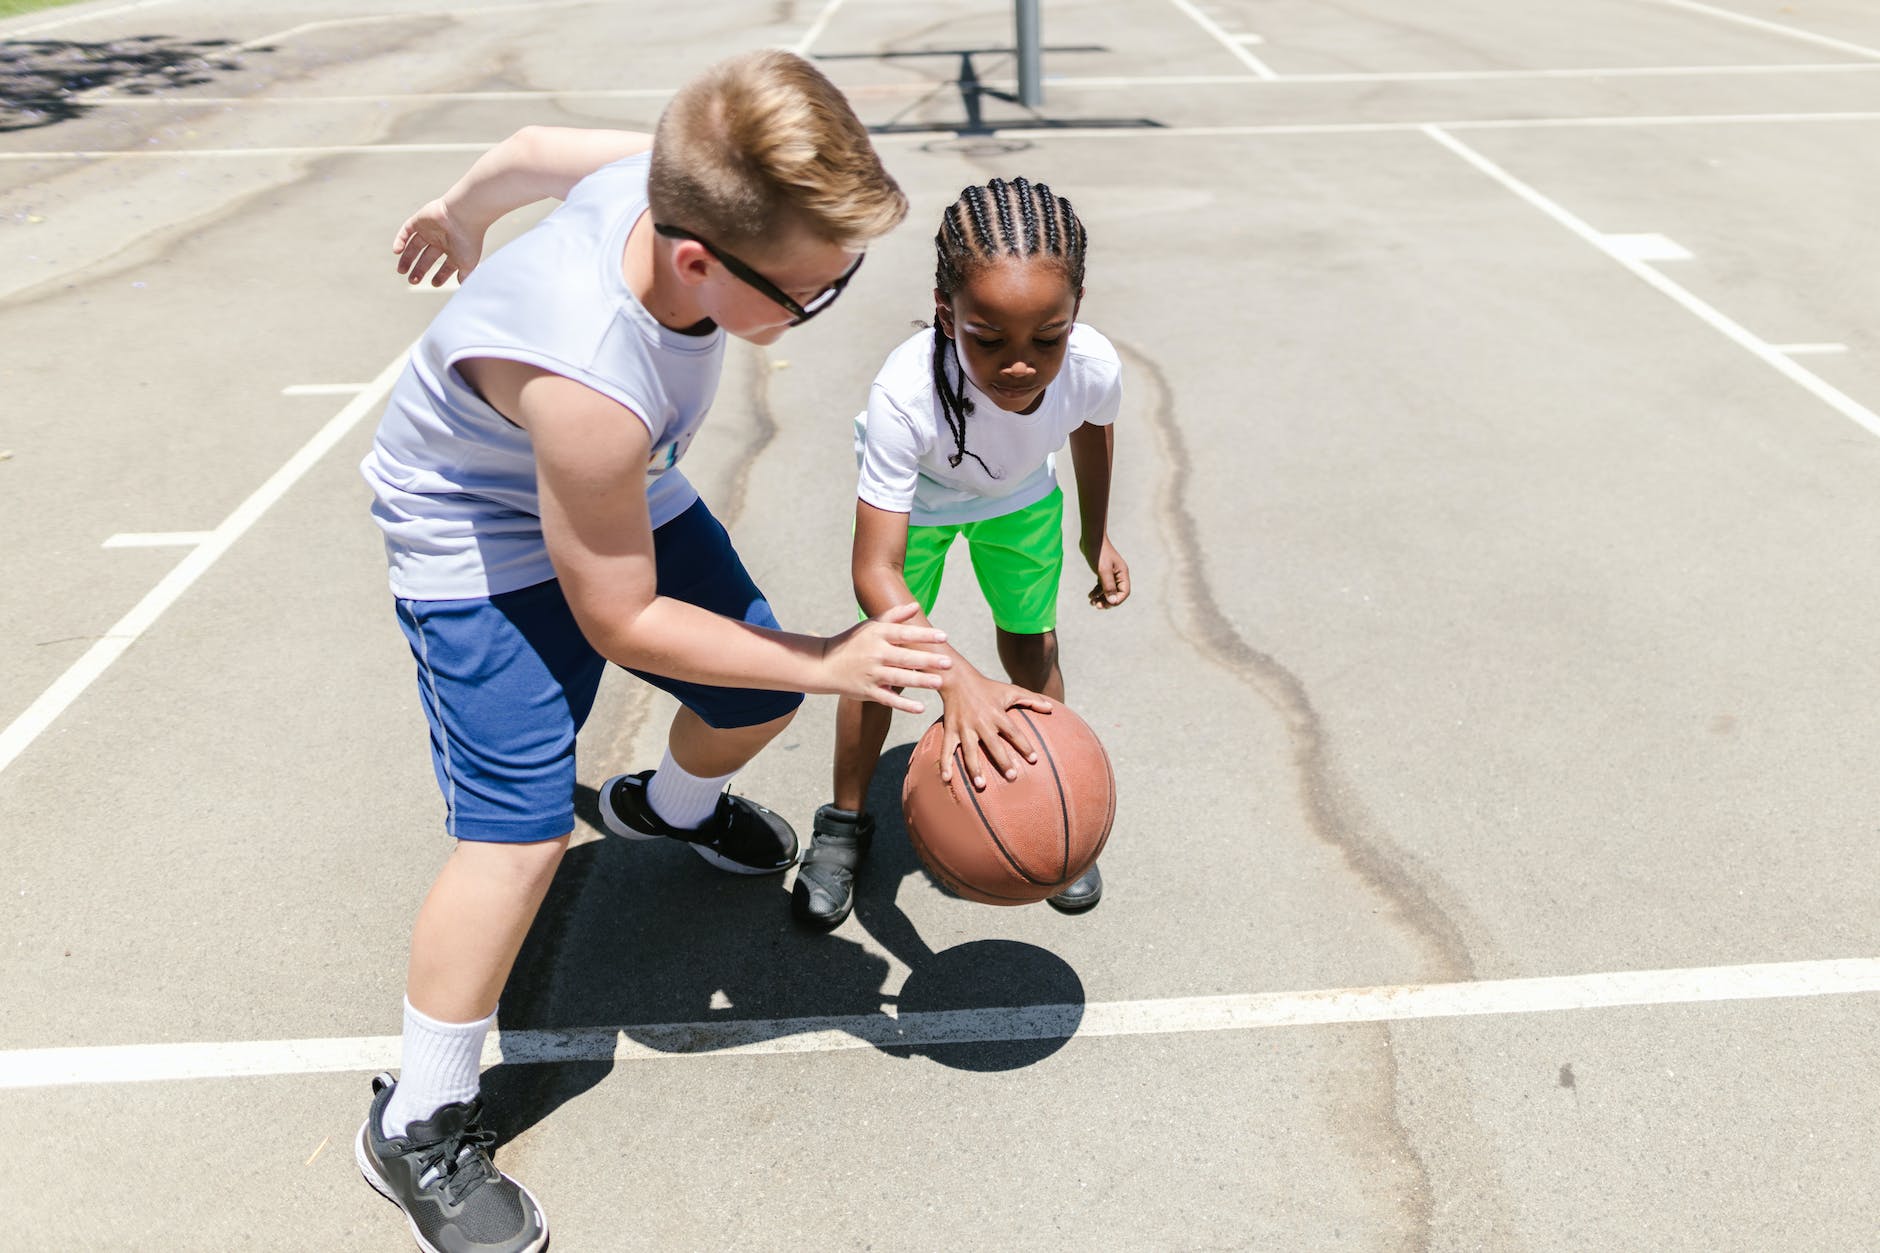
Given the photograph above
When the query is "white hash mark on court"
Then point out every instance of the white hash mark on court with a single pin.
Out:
(323, 389)
(1710, 315)
(1646, 247)
(158, 539)
(81, 674)
(34, 1068)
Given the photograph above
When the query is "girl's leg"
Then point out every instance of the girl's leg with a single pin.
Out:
(861, 730)
(1031, 661)
(824, 892)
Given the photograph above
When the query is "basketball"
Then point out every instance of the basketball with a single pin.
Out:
(1020, 840)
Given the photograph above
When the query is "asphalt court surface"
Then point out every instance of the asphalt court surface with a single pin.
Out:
(1496, 474)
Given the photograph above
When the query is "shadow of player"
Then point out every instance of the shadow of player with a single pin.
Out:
(648, 934)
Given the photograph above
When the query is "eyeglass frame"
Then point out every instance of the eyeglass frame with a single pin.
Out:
(799, 314)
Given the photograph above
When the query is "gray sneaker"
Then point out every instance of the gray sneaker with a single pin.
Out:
(440, 1174)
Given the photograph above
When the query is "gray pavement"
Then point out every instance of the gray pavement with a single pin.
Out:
(1498, 617)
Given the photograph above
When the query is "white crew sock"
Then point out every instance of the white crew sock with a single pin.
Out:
(440, 1067)
(682, 799)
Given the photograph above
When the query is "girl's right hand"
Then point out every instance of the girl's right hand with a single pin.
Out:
(979, 724)
(874, 660)
(431, 236)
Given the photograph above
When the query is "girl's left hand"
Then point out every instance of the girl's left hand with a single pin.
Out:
(1112, 573)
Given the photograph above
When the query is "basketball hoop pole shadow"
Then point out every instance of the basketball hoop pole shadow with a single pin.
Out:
(973, 91)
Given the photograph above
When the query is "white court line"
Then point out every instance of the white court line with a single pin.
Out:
(816, 28)
(378, 18)
(76, 18)
(135, 1063)
(1015, 132)
(1069, 82)
(323, 389)
(1809, 350)
(317, 150)
(1648, 246)
(68, 687)
(157, 539)
(1833, 397)
(1226, 40)
(1793, 32)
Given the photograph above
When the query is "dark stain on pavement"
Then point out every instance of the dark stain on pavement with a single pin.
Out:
(1389, 871)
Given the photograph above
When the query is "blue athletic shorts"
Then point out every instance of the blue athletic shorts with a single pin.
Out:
(507, 680)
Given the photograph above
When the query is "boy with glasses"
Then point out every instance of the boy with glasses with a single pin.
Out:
(537, 526)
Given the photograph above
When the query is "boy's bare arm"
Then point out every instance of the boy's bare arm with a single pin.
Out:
(535, 163)
(591, 455)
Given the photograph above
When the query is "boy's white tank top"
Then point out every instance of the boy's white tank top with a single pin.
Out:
(453, 480)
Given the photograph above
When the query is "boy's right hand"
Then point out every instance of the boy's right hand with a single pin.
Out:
(873, 660)
(433, 235)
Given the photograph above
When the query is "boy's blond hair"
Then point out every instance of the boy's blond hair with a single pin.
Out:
(761, 139)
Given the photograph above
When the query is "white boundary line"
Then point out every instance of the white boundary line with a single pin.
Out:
(816, 28)
(68, 687)
(34, 1068)
(371, 19)
(75, 18)
(1832, 396)
(1227, 40)
(157, 539)
(1068, 82)
(1793, 32)
(1015, 132)
(324, 389)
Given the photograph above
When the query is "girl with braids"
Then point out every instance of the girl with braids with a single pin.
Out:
(958, 439)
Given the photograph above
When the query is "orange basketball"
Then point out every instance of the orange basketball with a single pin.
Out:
(1021, 840)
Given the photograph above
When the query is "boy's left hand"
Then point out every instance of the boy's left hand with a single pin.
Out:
(1112, 573)
(434, 236)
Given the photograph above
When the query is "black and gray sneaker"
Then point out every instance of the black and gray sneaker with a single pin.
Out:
(1083, 893)
(439, 1172)
(824, 892)
(741, 836)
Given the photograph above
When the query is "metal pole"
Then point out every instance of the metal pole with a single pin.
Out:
(1030, 58)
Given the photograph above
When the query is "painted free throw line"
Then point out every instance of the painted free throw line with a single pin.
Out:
(1736, 332)
(68, 687)
(37, 1068)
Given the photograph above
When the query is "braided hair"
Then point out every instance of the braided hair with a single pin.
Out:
(1000, 219)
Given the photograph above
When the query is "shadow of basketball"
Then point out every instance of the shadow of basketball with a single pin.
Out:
(983, 987)
(645, 935)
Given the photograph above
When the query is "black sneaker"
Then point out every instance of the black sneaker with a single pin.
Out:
(439, 1172)
(741, 836)
(824, 892)
(1081, 895)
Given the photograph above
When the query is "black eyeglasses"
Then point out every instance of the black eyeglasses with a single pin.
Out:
(799, 313)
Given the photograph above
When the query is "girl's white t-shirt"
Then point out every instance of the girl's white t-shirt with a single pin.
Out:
(903, 441)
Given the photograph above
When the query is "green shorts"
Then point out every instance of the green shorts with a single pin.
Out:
(1018, 556)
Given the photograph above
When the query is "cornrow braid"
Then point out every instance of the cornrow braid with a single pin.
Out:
(1003, 204)
(1027, 212)
(958, 251)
